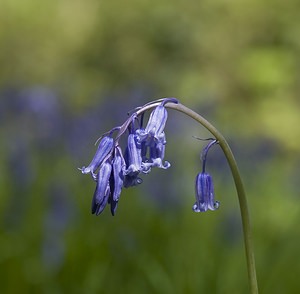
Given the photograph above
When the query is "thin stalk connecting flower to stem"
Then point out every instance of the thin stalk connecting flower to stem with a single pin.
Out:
(239, 188)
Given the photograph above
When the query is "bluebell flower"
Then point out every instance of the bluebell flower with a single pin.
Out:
(113, 204)
(156, 153)
(119, 166)
(103, 190)
(204, 187)
(133, 156)
(105, 147)
(133, 160)
(152, 139)
(157, 121)
(205, 193)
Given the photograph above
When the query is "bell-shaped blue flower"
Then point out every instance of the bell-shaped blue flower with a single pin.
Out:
(133, 156)
(119, 166)
(102, 191)
(156, 154)
(158, 118)
(133, 160)
(157, 121)
(105, 147)
(204, 187)
(205, 197)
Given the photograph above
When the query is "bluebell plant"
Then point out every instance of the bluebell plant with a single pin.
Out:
(114, 167)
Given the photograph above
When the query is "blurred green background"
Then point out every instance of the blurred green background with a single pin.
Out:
(71, 70)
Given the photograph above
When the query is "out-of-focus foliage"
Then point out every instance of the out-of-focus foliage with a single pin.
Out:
(70, 70)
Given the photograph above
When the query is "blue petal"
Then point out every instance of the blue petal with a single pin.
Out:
(101, 206)
(113, 207)
(133, 156)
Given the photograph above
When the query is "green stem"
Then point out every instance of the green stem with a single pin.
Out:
(239, 187)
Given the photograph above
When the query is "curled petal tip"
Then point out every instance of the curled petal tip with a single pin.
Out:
(217, 204)
(84, 170)
(166, 165)
(195, 208)
(94, 176)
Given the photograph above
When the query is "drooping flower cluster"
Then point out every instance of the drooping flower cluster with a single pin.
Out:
(204, 188)
(113, 169)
